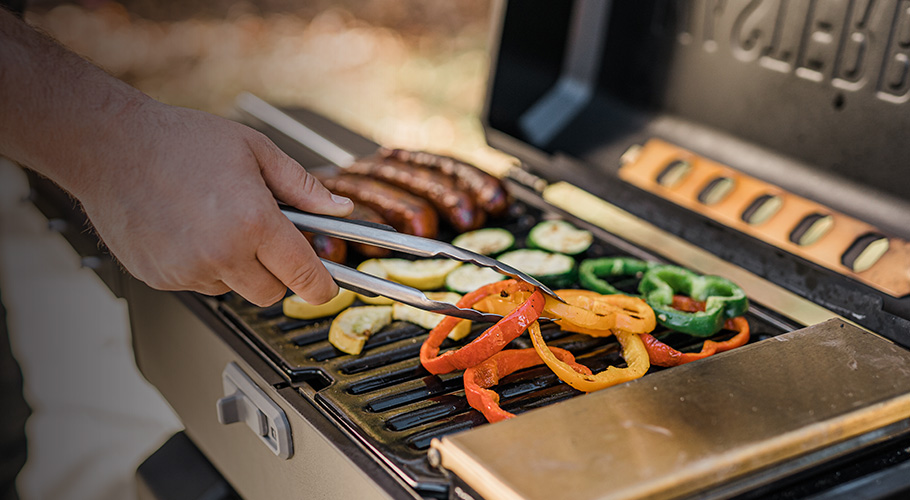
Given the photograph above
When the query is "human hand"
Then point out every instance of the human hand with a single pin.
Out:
(189, 204)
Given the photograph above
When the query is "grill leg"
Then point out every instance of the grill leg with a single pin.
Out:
(179, 471)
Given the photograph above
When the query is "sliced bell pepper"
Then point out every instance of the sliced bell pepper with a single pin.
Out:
(592, 272)
(633, 351)
(663, 355)
(627, 313)
(585, 311)
(723, 299)
(493, 340)
(480, 378)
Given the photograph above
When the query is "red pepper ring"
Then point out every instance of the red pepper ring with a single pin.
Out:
(493, 340)
(480, 378)
(661, 354)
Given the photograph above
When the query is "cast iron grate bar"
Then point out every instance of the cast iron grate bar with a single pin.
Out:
(289, 326)
(444, 406)
(388, 379)
(378, 360)
(311, 337)
(420, 441)
(433, 386)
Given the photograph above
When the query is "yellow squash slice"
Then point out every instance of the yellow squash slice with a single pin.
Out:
(374, 267)
(429, 320)
(428, 274)
(295, 307)
(351, 329)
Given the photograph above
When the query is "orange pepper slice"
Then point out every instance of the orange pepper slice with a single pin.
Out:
(493, 340)
(479, 379)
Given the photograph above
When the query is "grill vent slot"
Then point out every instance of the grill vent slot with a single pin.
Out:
(716, 190)
(674, 173)
(811, 229)
(865, 252)
(762, 209)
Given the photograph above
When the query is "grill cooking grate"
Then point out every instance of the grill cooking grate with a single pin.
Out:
(394, 406)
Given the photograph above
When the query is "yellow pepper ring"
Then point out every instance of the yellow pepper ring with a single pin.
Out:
(589, 314)
(633, 351)
(586, 312)
(631, 314)
(497, 304)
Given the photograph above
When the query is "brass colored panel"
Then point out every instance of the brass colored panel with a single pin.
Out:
(678, 431)
(824, 245)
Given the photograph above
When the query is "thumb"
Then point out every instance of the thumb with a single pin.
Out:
(292, 184)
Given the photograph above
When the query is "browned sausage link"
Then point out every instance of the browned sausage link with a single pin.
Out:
(404, 211)
(487, 190)
(364, 213)
(327, 247)
(454, 204)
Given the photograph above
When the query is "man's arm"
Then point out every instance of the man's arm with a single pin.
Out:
(185, 200)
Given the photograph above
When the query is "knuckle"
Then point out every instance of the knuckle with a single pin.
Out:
(215, 257)
(308, 183)
(251, 222)
(307, 279)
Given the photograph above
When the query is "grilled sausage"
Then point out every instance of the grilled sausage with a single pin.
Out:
(364, 213)
(327, 247)
(487, 190)
(453, 203)
(404, 211)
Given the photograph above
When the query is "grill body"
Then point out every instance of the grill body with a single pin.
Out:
(573, 85)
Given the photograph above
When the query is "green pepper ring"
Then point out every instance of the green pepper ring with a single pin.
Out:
(723, 299)
(591, 272)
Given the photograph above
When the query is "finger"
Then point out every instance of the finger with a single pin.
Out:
(288, 256)
(213, 289)
(256, 284)
(293, 185)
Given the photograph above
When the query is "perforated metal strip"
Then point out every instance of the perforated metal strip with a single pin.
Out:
(796, 225)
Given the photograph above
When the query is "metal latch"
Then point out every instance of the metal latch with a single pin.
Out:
(244, 401)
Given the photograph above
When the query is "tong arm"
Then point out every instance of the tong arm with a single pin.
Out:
(370, 285)
(405, 243)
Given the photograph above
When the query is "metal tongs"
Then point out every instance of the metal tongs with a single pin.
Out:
(384, 236)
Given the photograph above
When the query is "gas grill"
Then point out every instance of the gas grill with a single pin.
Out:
(806, 103)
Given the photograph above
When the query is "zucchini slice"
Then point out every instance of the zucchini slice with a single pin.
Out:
(490, 241)
(559, 236)
(552, 269)
(374, 267)
(295, 307)
(429, 320)
(428, 274)
(467, 277)
(351, 329)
